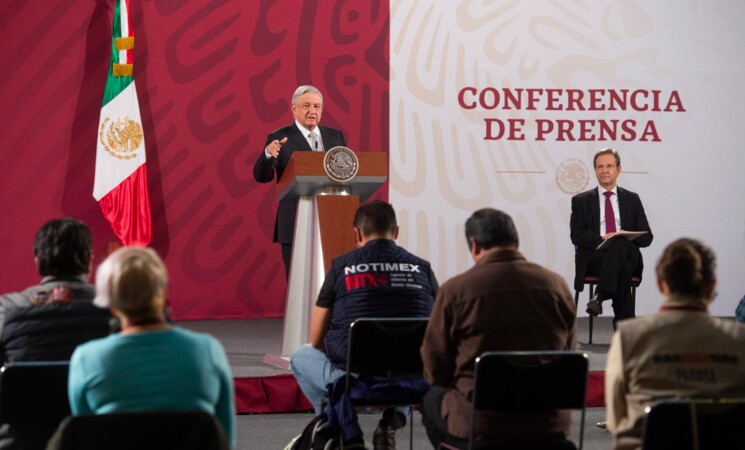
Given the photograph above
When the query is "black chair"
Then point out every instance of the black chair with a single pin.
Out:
(33, 400)
(387, 348)
(695, 424)
(518, 382)
(163, 430)
(592, 281)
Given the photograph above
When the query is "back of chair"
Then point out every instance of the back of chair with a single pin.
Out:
(699, 424)
(33, 400)
(530, 382)
(386, 347)
(142, 431)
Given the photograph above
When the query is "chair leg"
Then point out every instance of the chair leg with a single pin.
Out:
(592, 291)
(411, 428)
(582, 429)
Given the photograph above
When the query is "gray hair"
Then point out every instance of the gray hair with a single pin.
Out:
(131, 280)
(304, 90)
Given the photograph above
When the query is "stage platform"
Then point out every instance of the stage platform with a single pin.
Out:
(261, 388)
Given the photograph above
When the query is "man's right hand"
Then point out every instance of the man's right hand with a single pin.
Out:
(272, 150)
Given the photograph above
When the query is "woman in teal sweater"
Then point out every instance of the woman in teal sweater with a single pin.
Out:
(150, 365)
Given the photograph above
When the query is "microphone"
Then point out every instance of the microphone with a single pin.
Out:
(316, 145)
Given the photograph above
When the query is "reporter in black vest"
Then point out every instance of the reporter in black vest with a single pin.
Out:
(365, 282)
(303, 135)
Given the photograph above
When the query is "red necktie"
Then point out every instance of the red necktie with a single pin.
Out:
(610, 218)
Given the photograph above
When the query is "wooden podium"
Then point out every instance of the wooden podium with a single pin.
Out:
(323, 231)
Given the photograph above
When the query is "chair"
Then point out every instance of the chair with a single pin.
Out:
(592, 281)
(387, 348)
(695, 424)
(33, 400)
(164, 430)
(511, 382)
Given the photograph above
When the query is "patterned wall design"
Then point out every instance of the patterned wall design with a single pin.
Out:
(442, 168)
(213, 78)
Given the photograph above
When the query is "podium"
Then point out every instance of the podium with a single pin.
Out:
(323, 231)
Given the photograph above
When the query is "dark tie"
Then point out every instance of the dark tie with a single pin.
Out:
(610, 218)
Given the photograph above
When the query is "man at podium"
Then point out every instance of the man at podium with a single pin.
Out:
(304, 134)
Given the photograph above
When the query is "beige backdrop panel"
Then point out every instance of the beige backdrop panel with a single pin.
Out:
(442, 168)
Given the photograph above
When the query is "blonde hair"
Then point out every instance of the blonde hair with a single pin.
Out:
(132, 280)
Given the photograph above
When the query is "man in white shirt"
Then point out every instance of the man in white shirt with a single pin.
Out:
(598, 215)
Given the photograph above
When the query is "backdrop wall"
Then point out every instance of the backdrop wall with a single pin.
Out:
(213, 79)
(496, 104)
(503, 104)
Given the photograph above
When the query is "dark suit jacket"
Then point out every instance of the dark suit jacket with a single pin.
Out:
(265, 169)
(584, 226)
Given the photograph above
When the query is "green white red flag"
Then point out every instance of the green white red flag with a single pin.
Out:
(120, 184)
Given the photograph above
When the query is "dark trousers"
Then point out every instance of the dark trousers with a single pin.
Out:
(615, 266)
(287, 258)
(435, 425)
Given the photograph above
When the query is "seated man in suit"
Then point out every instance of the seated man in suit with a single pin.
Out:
(598, 215)
(503, 303)
(347, 295)
(47, 321)
(304, 134)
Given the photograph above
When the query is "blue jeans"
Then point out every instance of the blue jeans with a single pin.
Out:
(313, 371)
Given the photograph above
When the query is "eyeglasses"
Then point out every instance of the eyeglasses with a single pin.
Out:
(307, 106)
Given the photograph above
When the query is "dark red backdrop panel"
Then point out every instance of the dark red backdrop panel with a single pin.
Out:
(213, 79)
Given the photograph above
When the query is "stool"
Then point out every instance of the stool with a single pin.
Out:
(592, 281)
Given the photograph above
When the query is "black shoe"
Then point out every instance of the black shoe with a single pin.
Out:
(595, 306)
(392, 418)
(384, 438)
(602, 425)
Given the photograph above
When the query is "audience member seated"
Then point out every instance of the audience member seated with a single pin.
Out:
(681, 351)
(47, 321)
(150, 365)
(503, 303)
(379, 279)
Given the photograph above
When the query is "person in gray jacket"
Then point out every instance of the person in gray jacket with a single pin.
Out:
(63, 253)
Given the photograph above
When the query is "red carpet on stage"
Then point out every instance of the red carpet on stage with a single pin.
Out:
(275, 394)
(595, 397)
(281, 394)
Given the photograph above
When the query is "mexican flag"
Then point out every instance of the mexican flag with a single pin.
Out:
(120, 185)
